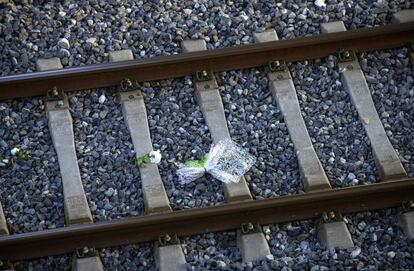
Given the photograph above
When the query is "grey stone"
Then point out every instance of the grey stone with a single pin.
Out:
(351, 176)
(64, 53)
(25, 60)
(355, 253)
(332, 27)
(121, 55)
(64, 43)
(188, 46)
(335, 235)
(45, 64)
(266, 36)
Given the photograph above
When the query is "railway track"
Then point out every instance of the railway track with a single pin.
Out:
(241, 207)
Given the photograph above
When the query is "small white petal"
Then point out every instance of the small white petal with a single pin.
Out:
(155, 157)
(102, 99)
(14, 151)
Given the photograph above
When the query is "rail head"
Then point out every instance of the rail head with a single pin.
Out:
(178, 65)
(210, 219)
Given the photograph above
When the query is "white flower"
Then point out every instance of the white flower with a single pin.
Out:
(102, 99)
(155, 157)
(14, 151)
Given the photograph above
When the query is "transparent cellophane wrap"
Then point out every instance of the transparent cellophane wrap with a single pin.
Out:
(226, 162)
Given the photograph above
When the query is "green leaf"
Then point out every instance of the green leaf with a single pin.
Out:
(197, 163)
(145, 159)
(24, 155)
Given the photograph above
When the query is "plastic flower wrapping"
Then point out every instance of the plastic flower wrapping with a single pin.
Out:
(226, 162)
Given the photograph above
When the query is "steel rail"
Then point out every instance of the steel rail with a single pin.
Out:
(238, 57)
(201, 220)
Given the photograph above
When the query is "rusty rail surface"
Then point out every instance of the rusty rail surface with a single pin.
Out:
(201, 220)
(239, 57)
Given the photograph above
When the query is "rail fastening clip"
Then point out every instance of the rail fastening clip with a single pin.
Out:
(331, 216)
(248, 228)
(407, 206)
(129, 85)
(168, 239)
(346, 55)
(204, 75)
(277, 66)
(55, 94)
(86, 252)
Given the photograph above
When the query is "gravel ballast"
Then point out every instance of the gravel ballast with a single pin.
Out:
(379, 242)
(55, 263)
(105, 155)
(390, 77)
(333, 124)
(256, 123)
(31, 190)
(179, 131)
(130, 257)
(84, 33)
(212, 251)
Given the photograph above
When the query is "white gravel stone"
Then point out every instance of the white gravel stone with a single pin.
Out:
(102, 99)
(64, 43)
(221, 264)
(391, 254)
(91, 40)
(356, 252)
